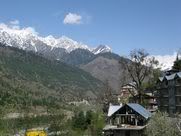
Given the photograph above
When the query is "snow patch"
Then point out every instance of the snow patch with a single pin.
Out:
(166, 61)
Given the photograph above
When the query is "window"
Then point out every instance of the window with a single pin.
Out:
(127, 133)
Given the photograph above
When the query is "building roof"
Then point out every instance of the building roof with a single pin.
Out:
(179, 74)
(113, 109)
(136, 107)
(170, 77)
(161, 78)
(140, 109)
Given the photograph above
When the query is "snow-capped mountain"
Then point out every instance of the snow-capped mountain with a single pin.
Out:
(28, 39)
(166, 61)
(64, 42)
(101, 49)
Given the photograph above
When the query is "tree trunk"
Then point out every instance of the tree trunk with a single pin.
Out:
(140, 98)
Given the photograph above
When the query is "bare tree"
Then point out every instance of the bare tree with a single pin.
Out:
(139, 67)
(107, 97)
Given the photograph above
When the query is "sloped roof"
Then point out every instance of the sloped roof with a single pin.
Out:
(113, 109)
(161, 78)
(179, 74)
(170, 77)
(136, 107)
(140, 109)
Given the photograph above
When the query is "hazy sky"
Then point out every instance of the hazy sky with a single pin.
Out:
(122, 24)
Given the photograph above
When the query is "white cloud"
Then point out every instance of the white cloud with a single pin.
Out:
(13, 27)
(72, 18)
(14, 22)
(166, 61)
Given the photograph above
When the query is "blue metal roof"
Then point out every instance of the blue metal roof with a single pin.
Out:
(113, 109)
(140, 109)
(170, 77)
(161, 78)
(179, 74)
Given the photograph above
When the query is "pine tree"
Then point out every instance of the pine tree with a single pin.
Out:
(177, 64)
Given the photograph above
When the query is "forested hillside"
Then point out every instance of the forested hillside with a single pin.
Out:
(27, 80)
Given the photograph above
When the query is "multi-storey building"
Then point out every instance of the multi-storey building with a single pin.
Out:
(169, 93)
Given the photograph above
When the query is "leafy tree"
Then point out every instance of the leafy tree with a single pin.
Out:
(139, 68)
(89, 116)
(97, 124)
(79, 121)
(90, 123)
(178, 123)
(161, 125)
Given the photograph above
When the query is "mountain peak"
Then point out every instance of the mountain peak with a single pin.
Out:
(101, 49)
(28, 39)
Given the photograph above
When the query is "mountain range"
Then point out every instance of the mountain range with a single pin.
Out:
(49, 46)
(68, 51)
(58, 48)
(100, 62)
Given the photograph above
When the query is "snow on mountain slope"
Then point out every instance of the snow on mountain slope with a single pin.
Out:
(28, 39)
(64, 42)
(166, 61)
(101, 49)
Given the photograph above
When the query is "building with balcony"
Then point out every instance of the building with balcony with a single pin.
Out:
(126, 120)
(169, 93)
(128, 94)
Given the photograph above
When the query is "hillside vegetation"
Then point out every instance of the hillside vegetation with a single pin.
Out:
(27, 80)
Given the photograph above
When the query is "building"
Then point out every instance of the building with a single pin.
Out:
(150, 101)
(129, 94)
(169, 93)
(126, 120)
(126, 92)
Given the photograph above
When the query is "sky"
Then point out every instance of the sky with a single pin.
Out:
(124, 25)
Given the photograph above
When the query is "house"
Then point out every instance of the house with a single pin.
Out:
(169, 93)
(150, 101)
(128, 91)
(126, 120)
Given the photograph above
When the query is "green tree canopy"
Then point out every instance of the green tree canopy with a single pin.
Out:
(162, 125)
(177, 65)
